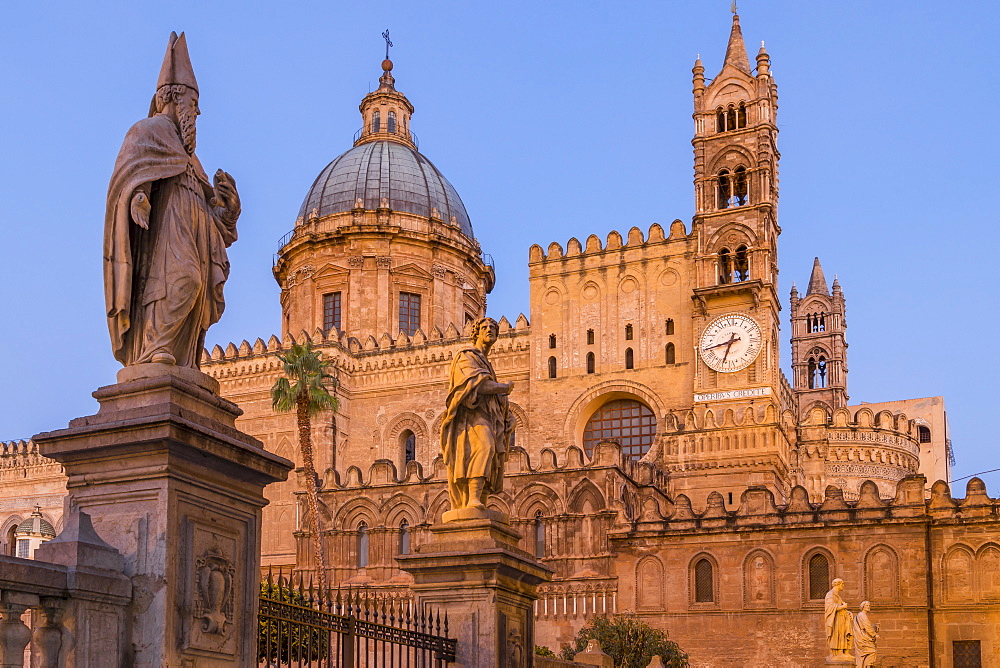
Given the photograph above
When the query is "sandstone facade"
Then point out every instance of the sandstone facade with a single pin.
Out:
(647, 478)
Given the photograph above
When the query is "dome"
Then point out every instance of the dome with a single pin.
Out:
(385, 169)
(36, 525)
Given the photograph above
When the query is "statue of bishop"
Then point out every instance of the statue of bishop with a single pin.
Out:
(166, 229)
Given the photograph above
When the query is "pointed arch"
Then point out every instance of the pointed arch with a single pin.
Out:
(881, 574)
(649, 584)
(759, 587)
(819, 569)
(703, 580)
(585, 490)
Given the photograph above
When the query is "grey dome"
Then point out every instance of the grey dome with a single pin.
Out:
(36, 525)
(387, 169)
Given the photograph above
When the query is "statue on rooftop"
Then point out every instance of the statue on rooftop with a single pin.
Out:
(839, 625)
(166, 229)
(477, 424)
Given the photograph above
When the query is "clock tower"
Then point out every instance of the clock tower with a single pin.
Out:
(739, 392)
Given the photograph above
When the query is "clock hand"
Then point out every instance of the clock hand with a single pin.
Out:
(733, 338)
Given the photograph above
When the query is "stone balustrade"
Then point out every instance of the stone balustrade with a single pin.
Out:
(77, 597)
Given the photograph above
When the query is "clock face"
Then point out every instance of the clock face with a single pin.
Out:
(730, 343)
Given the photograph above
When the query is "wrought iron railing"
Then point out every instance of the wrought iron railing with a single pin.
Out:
(302, 626)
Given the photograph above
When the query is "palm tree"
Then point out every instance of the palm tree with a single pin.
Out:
(304, 388)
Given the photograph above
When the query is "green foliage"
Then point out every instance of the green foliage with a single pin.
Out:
(281, 640)
(305, 373)
(629, 641)
(541, 650)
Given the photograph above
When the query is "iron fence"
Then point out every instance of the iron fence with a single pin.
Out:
(301, 626)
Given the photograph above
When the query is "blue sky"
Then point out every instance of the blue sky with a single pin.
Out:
(552, 119)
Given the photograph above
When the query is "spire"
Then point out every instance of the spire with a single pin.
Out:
(699, 76)
(763, 60)
(176, 68)
(736, 52)
(817, 282)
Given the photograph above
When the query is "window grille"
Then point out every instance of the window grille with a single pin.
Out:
(967, 654)
(819, 577)
(630, 423)
(924, 433)
(376, 122)
(24, 548)
(704, 585)
(409, 313)
(331, 311)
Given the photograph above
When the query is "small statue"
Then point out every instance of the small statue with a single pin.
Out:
(166, 229)
(839, 622)
(865, 637)
(477, 424)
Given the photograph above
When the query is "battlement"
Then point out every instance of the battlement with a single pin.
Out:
(757, 507)
(614, 242)
(22, 454)
(368, 354)
(607, 454)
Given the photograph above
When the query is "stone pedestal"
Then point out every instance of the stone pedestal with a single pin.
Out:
(171, 483)
(473, 570)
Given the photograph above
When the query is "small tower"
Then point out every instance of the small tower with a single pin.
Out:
(819, 348)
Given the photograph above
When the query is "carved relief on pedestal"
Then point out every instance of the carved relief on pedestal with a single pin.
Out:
(213, 605)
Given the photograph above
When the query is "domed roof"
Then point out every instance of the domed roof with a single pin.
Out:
(36, 525)
(385, 169)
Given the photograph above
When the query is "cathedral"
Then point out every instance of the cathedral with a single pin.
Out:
(662, 462)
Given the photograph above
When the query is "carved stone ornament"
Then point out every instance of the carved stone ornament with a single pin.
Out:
(355, 260)
(383, 262)
(214, 599)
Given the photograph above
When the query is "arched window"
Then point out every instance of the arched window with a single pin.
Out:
(741, 264)
(724, 189)
(627, 421)
(740, 190)
(704, 582)
(671, 354)
(822, 322)
(731, 118)
(725, 266)
(924, 434)
(720, 120)
(741, 116)
(391, 122)
(409, 442)
(628, 332)
(670, 326)
(552, 367)
(819, 374)
(539, 536)
(552, 340)
(590, 337)
(590, 362)
(362, 545)
(404, 537)
(629, 359)
(819, 577)
(11, 539)
(376, 122)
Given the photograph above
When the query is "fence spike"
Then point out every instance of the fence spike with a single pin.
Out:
(392, 610)
(445, 623)
(437, 623)
(312, 599)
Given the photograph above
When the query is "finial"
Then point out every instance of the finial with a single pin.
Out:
(388, 43)
(732, 7)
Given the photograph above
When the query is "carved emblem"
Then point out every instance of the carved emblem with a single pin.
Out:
(214, 602)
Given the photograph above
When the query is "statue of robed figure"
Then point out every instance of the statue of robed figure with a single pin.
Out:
(838, 622)
(477, 424)
(166, 229)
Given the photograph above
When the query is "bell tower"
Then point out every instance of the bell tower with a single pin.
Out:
(819, 348)
(740, 394)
